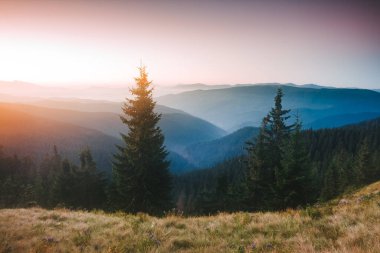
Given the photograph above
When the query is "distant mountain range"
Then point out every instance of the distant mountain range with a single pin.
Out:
(235, 107)
(22, 90)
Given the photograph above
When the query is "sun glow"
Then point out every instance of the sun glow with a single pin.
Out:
(42, 62)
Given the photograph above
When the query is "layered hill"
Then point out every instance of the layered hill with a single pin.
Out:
(347, 224)
(88, 105)
(342, 119)
(33, 130)
(232, 108)
(25, 134)
(209, 153)
(180, 129)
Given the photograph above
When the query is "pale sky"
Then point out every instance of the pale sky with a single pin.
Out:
(191, 41)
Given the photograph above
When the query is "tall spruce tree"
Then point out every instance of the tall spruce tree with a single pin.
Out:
(140, 170)
(265, 156)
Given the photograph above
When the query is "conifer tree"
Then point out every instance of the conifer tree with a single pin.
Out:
(48, 172)
(266, 154)
(82, 187)
(91, 183)
(331, 182)
(278, 131)
(259, 173)
(140, 169)
(363, 170)
(293, 181)
(64, 186)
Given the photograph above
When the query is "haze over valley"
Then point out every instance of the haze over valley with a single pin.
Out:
(195, 121)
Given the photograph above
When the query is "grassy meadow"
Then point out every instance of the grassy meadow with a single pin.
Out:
(347, 224)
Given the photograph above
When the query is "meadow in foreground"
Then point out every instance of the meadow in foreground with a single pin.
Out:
(348, 224)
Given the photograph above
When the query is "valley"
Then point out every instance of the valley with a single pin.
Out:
(191, 140)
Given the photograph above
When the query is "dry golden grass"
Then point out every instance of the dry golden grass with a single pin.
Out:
(349, 224)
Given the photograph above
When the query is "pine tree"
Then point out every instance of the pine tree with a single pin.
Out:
(91, 183)
(330, 182)
(80, 187)
(346, 175)
(278, 131)
(293, 182)
(259, 173)
(266, 155)
(64, 186)
(50, 168)
(363, 170)
(141, 172)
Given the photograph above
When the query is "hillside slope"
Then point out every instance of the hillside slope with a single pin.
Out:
(209, 153)
(33, 131)
(24, 134)
(180, 129)
(342, 119)
(349, 224)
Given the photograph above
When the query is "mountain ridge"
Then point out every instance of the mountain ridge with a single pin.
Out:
(230, 107)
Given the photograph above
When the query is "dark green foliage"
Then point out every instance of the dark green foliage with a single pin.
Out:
(294, 180)
(274, 161)
(16, 180)
(91, 183)
(47, 174)
(364, 171)
(80, 187)
(220, 188)
(344, 158)
(314, 165)
(331, 182)
(339, 175)
(55, 182)
(141, 175)
(287, 167)
(63, 188)
(259, 170)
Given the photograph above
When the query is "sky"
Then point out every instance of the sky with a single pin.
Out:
(98, 42)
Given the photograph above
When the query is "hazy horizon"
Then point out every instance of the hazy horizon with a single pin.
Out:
(180, 86)
(67, 43)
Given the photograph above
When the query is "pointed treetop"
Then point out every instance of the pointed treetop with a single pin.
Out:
(142, 82)
(278, 98)
(143, 74)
